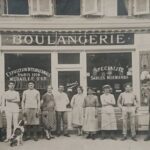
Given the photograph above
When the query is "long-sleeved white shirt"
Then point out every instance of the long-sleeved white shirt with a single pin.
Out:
(31, 99)
(14, 96)
(61, 101)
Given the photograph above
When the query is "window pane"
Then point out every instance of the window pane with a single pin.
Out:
(16, 7)
(24, 67)
(145, 77)
(122, 7)
(114, 69)
(67, 7)
(68, 58)
(70, 80)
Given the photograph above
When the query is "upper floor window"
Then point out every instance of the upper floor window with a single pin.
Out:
(15, 7)
(133, 7)
(76, 7)
(122, 7)
(67, 7)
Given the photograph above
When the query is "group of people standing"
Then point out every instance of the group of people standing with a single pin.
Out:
(88, 106)
(52, 109)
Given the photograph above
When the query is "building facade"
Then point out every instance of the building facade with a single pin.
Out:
(77, 42)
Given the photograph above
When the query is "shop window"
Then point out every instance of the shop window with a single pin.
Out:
(24, 67)
(41, 7)
(94, 7)
(114, 69)
(67, 7)
(68, 58)
(145, 77)
(19, 7)
(122, 7)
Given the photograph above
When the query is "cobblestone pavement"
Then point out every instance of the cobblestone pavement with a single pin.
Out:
(80, 143)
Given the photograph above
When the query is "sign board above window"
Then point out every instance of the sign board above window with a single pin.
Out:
(67, 39)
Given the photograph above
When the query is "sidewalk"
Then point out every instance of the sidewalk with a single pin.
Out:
(80, 143)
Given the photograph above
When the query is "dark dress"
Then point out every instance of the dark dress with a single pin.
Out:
(48, 112)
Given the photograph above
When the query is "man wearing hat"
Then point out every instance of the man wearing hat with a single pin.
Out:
(11, 104)
(31, 108)
(128, 103)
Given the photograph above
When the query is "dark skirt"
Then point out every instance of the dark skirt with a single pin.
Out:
(49, 120)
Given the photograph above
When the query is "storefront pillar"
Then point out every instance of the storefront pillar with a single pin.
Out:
(83, 74)
(2, 74)
(136, 73)
(54, 73)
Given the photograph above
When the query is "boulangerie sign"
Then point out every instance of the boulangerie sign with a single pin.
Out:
(67, 39)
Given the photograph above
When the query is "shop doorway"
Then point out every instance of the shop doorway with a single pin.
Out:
(70, 80)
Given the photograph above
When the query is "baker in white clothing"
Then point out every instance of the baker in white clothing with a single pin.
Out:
(11, 103)
(31, 109)
(61, 101)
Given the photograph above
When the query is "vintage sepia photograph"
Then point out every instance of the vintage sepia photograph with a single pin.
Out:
(74, 74)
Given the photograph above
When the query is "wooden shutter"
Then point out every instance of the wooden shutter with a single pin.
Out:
(45, 7)
(141, 7)
(100, 7)
(89, 7)
(33, 9)
(41, 7)
(1, 7)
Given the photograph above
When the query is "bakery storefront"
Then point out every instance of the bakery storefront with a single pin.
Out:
(72, 58)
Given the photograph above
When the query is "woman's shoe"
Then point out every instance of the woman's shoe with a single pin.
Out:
(124, 138)
(88, 136)
(47, 135)
(93, 137)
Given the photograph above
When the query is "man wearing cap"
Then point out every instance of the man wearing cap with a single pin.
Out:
(128, 103)
(31, 108)
(61, 101)
(11, 101)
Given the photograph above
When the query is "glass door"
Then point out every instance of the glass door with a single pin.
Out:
(70, 80)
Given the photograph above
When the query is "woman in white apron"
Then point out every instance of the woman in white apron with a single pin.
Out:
(77, 110)
(90, 114)
(108, 118)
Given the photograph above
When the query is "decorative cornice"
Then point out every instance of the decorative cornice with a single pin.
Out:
(109, 25)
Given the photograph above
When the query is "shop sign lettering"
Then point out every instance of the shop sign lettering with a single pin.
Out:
(66, 39)
(22, 75)
(110, 73)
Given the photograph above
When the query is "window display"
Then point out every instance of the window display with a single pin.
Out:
(22, 68)
(114, 69)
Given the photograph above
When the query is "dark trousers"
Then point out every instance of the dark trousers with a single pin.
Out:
(31, 130)
(61, 115)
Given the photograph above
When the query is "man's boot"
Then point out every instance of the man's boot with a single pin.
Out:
(35, 130)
